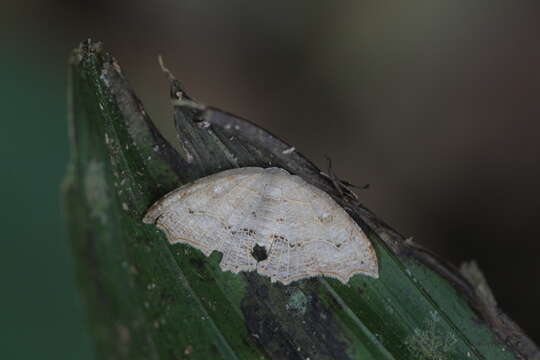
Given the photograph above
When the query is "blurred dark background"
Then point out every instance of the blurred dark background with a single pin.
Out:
(434, 103)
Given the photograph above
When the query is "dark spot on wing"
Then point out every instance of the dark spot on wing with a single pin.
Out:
(259, 253)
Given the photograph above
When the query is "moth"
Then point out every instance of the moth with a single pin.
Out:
(268, 221)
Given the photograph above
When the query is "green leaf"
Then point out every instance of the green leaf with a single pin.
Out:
(148, 299)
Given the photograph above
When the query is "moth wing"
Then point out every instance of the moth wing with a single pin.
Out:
(317, 237)
(199, 214)
(303, 232)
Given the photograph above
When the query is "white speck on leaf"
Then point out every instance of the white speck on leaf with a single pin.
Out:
(431, 342)
(104, 78)
(297, 302)
(203, 124)
(151, 286)
(408, 272)
(289, 150)
(95, 189)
